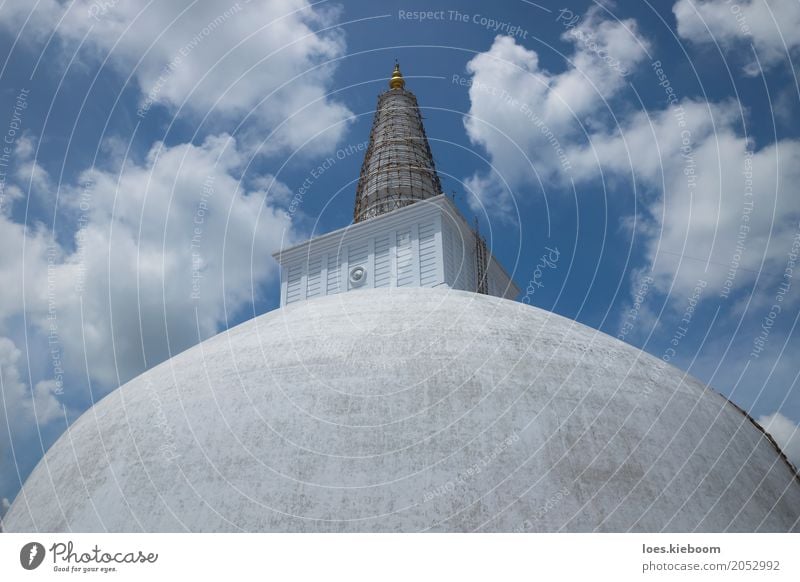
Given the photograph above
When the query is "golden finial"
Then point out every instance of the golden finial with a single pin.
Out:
(397, 81)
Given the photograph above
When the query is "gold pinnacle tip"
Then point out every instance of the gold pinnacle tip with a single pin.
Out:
(397, 81)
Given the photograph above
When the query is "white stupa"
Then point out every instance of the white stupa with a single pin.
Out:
(399, 389)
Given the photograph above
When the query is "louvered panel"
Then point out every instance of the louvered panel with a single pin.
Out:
(469, 266)
(314, 279)
(383, 262)
(449, 256)
(461, 263)
(427, 255)
(357, 254)
(405, 262)
(294, 279)
(333, 274)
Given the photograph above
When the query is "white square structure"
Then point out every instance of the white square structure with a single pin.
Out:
(425, 244)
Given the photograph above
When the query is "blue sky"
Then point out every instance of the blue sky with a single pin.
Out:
(655, 146)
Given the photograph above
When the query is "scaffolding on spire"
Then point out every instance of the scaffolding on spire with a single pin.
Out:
(481, 262)
(398, 167)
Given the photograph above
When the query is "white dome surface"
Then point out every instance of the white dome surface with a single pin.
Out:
(408, 410)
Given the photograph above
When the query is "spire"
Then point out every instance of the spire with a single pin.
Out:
(398, 167)
(397, 81)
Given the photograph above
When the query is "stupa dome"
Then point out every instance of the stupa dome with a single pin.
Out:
(408, 410)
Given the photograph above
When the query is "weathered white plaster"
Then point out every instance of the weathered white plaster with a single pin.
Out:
(406, 410)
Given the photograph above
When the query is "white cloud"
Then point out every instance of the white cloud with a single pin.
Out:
(23, 264)
(772, 27)
(785, 432)
(270, 59)
(166, 250)
(702, 228)
(489, 195)
(524, 115)
(727, 205)
(155, 254)
(162, 253)
(37, 18)
(28, 172)
(21, 406)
